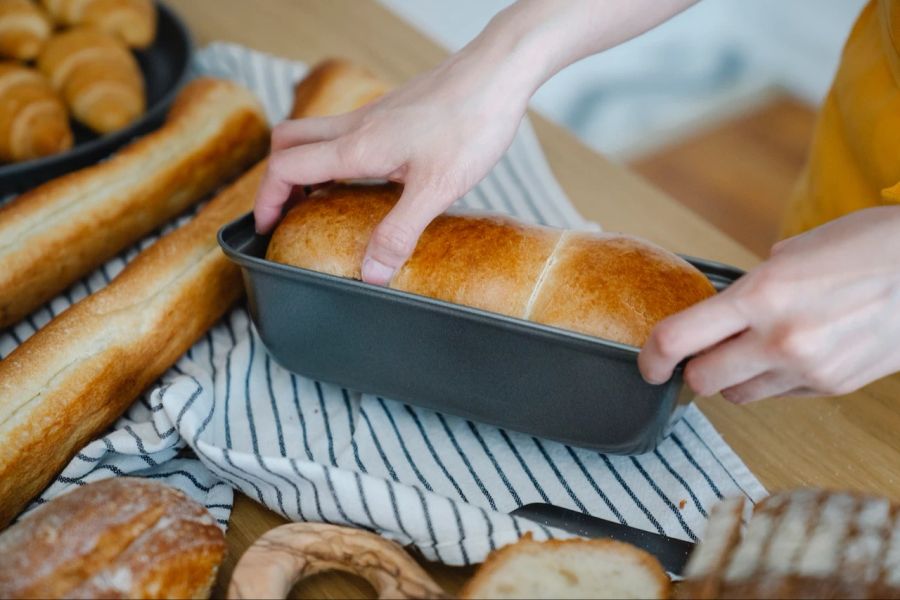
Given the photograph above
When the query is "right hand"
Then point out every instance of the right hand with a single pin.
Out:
(439, 135)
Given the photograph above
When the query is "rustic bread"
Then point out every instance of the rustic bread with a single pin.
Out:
(606, 285)
(800, 544)
(59, 231)
(117, 538)
(73, 378)
(575, 568)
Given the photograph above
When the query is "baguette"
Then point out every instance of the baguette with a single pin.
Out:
(58, 232)
(74, 377)
(605, 285)
(116, 538)
(23, 29)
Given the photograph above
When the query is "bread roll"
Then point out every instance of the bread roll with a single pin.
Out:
(285, 555)
(70, 380)
(568, 569)
(34, 121)
(97, 76)
(23, 29)
(606, 285)
(117, 538)
(133, 21)
(58, 232)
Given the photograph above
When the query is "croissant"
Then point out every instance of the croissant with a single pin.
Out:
(133, 21)
(33, 119)
(96, 75)
(23, 29)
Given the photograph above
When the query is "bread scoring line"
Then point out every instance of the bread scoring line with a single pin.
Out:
(551, 260)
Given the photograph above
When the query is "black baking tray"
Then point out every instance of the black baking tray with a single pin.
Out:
(548, 382)
(165, 66)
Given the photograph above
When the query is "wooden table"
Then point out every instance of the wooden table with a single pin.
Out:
(851, 442)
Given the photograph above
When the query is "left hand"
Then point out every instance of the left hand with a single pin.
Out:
(820, 317)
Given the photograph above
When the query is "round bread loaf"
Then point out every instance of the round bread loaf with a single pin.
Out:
(610, 286)
(117, 538)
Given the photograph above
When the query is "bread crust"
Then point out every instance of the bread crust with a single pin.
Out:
(116, 538)
(611, 286)
(34, 121)
(132, 21)
(73, 378)
(497, 560)
(24, 28)
(49, 236)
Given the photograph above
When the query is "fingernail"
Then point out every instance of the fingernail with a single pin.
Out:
(376, 272)
(653, 380)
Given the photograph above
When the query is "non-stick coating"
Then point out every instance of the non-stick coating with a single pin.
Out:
(522, 376)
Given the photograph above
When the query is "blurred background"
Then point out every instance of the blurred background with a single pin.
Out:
(716, 106)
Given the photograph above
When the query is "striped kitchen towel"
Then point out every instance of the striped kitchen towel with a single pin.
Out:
(315, 451)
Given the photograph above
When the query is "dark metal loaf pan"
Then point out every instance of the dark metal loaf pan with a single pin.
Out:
(486, 367)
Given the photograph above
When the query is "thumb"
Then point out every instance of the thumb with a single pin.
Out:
(394, 239)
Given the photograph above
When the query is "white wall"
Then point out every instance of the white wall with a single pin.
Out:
(716, 56)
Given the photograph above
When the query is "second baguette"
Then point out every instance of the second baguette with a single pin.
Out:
(74, 377)
(58, 232)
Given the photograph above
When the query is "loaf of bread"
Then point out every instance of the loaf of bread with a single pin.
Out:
(117, 538)
(575, 568)
(73, 378)
(799, 544)
(96, 75)
(133, 21)
(23, 29)
(34, 121)
(606, 285)
(54, 234)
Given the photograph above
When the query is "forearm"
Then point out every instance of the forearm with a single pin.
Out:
(531, 40)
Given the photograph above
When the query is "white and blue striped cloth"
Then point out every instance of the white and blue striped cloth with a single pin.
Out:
(314, 451)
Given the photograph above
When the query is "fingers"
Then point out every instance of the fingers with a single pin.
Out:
(726, 365)
(304, 165)
(762, 386)
(688, 332)
(395, 238)
(306, 131)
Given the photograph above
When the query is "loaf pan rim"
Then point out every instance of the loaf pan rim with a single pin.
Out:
(522, 326)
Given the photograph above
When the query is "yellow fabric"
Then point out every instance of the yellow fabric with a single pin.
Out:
(854, 160)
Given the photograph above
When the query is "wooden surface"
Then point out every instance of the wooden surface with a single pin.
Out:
(848, 442)
(738, 174)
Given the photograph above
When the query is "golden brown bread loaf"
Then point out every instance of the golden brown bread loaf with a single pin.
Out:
(23, 29)
(799, 544)
(73, 378)
(54, 234)
(117, 538)
(33, 119)
(133, 21)
(606, 285)
(97, 76)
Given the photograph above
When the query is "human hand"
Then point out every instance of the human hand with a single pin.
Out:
(820, 317)
(441, 133)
